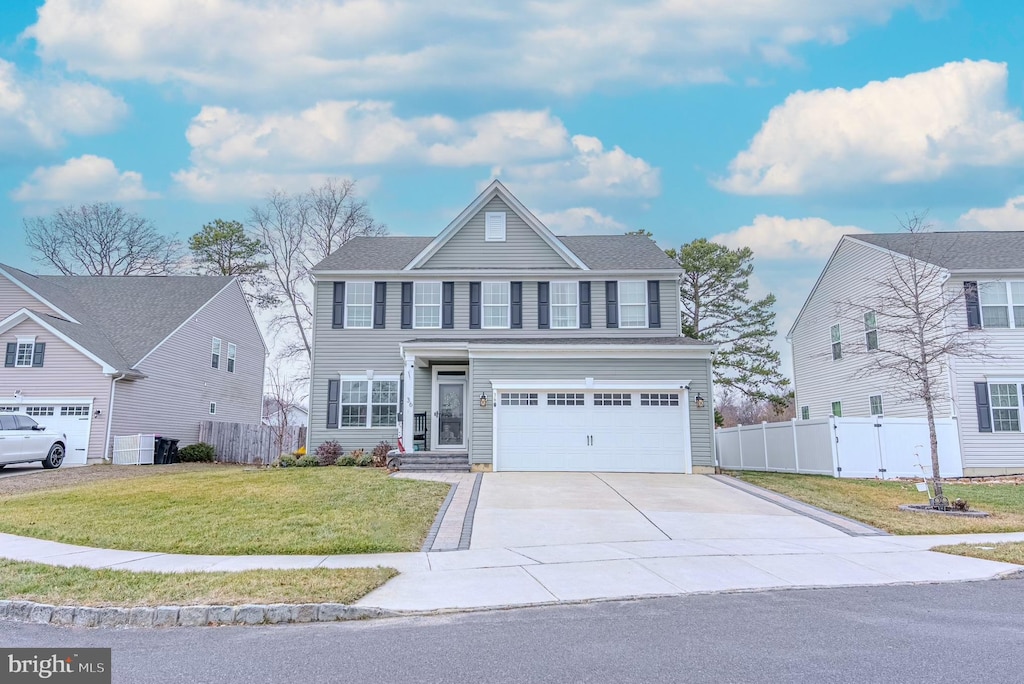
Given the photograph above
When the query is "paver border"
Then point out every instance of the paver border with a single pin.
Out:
(432, 532)
(467, 522)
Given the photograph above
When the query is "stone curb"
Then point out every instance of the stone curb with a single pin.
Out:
(185, 616)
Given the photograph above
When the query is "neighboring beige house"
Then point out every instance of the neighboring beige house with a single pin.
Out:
(520, 349)
(97, 357)
(985, 393)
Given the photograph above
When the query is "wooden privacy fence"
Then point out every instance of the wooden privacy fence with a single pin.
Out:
(248, 443)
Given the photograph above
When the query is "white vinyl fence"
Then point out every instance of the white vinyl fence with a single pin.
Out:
(134, 449)
(841, 447)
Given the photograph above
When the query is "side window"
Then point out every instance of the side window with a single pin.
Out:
(232, 349)
(805, 413)
(837, 342)
(837, 409)
(215, 362)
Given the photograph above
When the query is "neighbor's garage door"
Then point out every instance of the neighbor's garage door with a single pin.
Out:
(604, 431)
(71, 418)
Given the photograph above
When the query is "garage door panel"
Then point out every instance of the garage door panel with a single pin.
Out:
(72, 418)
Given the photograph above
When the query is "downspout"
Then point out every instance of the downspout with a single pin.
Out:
(110, 414)
(679, 306)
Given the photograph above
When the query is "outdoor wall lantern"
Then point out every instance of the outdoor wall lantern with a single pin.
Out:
(483, 400)
(699, 400)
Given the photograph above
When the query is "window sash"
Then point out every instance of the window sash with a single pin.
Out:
(565, 300)
(1005, 402)
(215, 358)
(805, 413)
(1002, 304)
(632, 304)
(368, 403)
(426, 305)
(232, 350)
(24, 355)
(875, 402)
(837, 409)
(496, 304)
(359, 305)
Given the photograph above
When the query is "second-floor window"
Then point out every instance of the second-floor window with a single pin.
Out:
(24, 356)
(837, 343)
(215, 358)
(359, 305)
(1002, 304)
(232, 351)
(870, 330)
(565, 304)
(496, 304)
(426, 305)
(632, 304)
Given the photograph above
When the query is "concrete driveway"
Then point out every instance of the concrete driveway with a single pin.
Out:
(544, 509)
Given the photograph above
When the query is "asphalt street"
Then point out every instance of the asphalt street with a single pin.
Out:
(967, 632)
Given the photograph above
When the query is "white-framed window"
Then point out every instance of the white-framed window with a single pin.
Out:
(215, 355)
(875, 402)
(232, 350)
(632, 304)
(659, 399)
(25, 352)
(213, 408)
(837, 409)
(1002, 304)
(366, 402)
(496, 304)
(74, 410)
(426, 305)
(38, 411)
(1005, 399)
(805, 413)
(494, 226)
(837, 342)
(565, 304)
(565, 399)
(871, 330)
(359, 305)
(613, 399)
(518, 398)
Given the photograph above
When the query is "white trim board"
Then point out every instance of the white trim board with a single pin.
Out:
(33, 293)
(22, 315)
(591, 385)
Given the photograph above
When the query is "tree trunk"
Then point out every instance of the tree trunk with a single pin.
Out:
(933, 439)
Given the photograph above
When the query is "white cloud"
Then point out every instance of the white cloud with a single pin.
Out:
(82, 178)
(589, 172)
(776, 237)
(916, 128)
(216, 185)
(1010, 216)
(359, 46)
(581, 221)
(37, 113)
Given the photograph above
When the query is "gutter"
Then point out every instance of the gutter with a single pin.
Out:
(110, 413)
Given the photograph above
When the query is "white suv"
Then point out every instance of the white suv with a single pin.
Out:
(23, 440)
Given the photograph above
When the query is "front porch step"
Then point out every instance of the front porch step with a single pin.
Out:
(425, 461)
(434, 468)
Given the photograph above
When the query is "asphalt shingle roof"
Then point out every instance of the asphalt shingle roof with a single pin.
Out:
(957, 251)
(121, 318)
(381, 253)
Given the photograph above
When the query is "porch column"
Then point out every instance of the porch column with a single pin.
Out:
(408, 405)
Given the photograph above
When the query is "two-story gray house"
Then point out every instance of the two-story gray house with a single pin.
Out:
(96, 357)
(523, 350)
(984, 394)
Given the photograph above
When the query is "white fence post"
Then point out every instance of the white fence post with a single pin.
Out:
(796, 446)
(764, 442)
(837, 469)
(739, 442)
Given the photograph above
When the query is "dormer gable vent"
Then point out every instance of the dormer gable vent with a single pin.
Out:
(494, 226)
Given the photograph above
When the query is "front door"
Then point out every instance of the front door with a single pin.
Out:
(450, 413)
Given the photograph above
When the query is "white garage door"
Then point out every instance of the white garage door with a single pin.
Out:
(73, 418)
(592, 430)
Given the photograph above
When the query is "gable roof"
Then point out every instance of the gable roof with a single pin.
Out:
(956, 251)
(381, 253)
(120, 319)
(496, 189)
(627, 252)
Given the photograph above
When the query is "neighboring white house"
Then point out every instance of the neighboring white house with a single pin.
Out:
(985, 393)
(277, 413)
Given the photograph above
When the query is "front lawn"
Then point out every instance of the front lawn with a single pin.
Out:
(1010, 552)
(876, 502)
(222, 509)
(84, 587)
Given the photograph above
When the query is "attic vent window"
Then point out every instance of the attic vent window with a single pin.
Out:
(494, 226)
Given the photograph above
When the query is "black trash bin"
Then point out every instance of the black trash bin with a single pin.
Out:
(172, 451)
(160, 449)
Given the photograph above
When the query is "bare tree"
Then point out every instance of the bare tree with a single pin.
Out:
(281, 395)
(918, 327)
(737, 408)
(101, 239)
(299, 231)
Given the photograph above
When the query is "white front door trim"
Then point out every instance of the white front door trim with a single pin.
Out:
(435, 412)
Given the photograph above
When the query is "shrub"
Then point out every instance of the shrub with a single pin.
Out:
(380, 453)
(346, 461)
(357, 453)
(287, 461)
(197, 453)
(961, 505)
(364, 461)
(328, 453)
(307, 462)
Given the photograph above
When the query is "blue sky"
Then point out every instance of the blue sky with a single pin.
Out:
(780, 124)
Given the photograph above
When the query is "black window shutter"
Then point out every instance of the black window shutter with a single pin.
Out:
(333, 388)
(474, 306)
(338, 317)
(515, 292)
(406, 306)
(973, 305)
(981, 399)
(37, 355)
(653, 304)
(584, 303)
(380, 304)
(543, 305)
(448, 305)
(611, 301)
(12, 354)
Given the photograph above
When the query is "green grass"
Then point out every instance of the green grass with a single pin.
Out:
(876, 502)
(1010, 552)
(233, 510)
(84, 587)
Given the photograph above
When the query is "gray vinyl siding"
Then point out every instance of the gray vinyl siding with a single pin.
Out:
(522, 248)
(696, 372)
(66, 373)
(987, 450)
(818, 380)
(354, 351)
(180, 382)
(13, 298)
